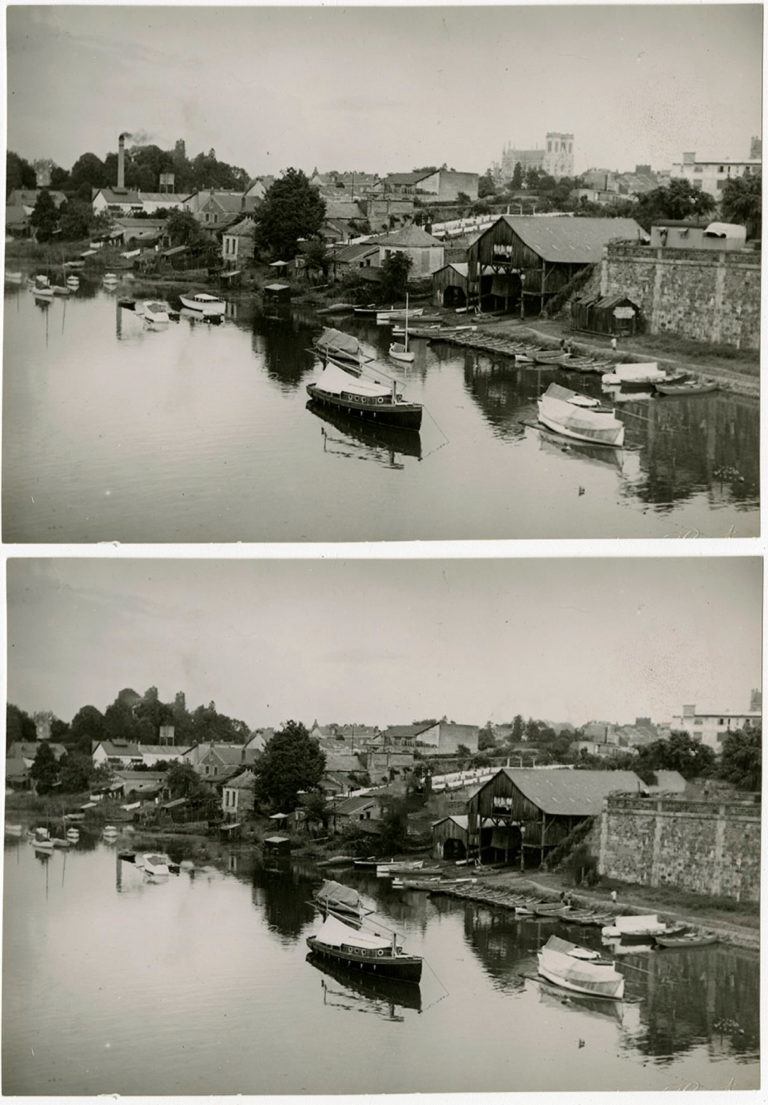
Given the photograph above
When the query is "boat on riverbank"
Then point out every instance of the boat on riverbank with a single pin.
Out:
(364, 951)
(364, 396)
(687, 940)
(398, 314)
(579, 417)
(565, 964)
(688, 387)
(203, 304)
(635, 377)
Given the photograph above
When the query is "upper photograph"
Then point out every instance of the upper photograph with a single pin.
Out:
(279, 274)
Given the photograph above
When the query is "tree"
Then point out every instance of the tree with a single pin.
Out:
(44, 770)
(18, 173)
(76, 216)
(19, 726)
(291, 209)
(86, 727)
(741, 759)
(679, 752)
(76, 770)
(394, 275)
(87, 173)
(183, 229)
(183, 781)
(291, 761)
(485, 738)
(60, 179)
(45, 217)
(678, 200)
(486, 185)
(518, 729)
(517, 176)
(316, 257)
(741, 202)
(316, 809)
(394, 826)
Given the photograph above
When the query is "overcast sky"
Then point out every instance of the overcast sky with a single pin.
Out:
(388, 88)
(386, 642)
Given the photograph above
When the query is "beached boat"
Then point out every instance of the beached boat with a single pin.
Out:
(341, 348)
(371, 309)
(363, 950)
(579, 417)
(549, 356)
(638, 929)
(399, 351)
(687, 387)
(365, 396)
(594, 976)
(208, 306)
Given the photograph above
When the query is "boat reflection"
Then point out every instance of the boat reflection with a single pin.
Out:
(359, 993)
(603, 455)
(384, 445)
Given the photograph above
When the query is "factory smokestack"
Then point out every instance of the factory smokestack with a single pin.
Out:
(121, 159)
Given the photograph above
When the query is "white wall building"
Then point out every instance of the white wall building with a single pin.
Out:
(711, 176)
(713, 728)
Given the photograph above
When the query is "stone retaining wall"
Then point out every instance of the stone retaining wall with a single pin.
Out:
(705, 296)
(702, 847)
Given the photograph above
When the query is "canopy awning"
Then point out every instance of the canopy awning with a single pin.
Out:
(335, 932)
(336, 380)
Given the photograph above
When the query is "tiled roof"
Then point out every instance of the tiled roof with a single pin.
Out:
(243, 229)
(112, 195)
(409, 236)
(570, 793)
(246, 780)
(404, 732)
(352, 805)
(121, 748)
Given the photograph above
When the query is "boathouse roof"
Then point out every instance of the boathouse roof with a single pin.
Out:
(566, 792)
(570, 241)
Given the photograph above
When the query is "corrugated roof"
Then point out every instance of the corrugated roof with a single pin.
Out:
(570, 793)
(570, 241)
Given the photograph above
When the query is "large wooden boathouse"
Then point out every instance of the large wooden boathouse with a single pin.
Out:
(526, 812)
(526, 259)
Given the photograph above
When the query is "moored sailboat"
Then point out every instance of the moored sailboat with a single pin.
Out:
(363, 950)
(360, 392)
(399, 350)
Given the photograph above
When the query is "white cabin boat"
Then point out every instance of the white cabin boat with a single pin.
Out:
(156, 313)
(156, 865)
(579, 417)
(635, 375)
(209, 306)
(596, 977)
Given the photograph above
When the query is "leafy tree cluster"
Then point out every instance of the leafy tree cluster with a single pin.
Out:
(741, 759)
(742, 202)
(677, 200)
(679, 752)
(291, 210)
(394, 276)
(18, 173)
(291, 762)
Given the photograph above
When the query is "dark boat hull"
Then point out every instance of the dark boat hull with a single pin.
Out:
(386, 413)
(404, 967)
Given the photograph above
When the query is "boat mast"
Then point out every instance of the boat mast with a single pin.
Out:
(406, 322)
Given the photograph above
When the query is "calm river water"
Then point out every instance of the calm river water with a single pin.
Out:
(201, 985)
(202, 433)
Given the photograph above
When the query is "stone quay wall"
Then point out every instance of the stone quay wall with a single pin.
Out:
(710, 848)
(702, 295)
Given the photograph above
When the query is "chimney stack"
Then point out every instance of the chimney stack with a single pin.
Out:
(121, 161)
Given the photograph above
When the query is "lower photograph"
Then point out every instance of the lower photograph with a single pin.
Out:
(357, 825)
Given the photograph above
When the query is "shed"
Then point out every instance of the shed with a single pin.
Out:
(526, 812)
(450, 283)
(450, 836)
(526, 259)
(277, 845)
(277, 292)
(608, 314)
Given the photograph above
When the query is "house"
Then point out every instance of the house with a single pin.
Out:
(17, 224)
(450, 285)
(713, 175)
(403, 734)
(217, 761)
(712, 728)
(28, 197)
(116, 754)
(27, 750)
(527, 259)
(140, 784)
(17, 775)
(256, 745)
(446, 184)
(344, 762)
(398, 184)
(238, 244)
(161, 201)
(215, 210)
(350, 811)
(143, 232)
(526, 812)
(426, 253)
(238, 796)
(384, 765)
(115, 201)
(445, 737)
(154, 753)
(256, 192)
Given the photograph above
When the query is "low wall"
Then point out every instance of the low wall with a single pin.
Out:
(702, 847)
(697, 294)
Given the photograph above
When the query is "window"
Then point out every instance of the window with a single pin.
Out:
(698, 721)
(720, 721)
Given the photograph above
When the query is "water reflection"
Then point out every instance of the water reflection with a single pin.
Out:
(383, 445)
(361, 993)
(283, 894)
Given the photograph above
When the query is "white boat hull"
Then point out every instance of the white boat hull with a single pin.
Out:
(209, 308)
(593, 989)
(400, 353)
(613, 438)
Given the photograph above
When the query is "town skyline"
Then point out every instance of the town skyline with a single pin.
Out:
(655, 60)
(471, 640)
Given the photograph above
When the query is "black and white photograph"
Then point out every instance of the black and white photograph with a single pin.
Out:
(370, 826)
(301, 274)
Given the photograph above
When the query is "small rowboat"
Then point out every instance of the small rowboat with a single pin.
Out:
(687, 940)
(687, 387)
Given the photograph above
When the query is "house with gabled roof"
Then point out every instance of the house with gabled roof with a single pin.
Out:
(426, 253)
(215, 210)
(116, 754)
(116, 201)
(403, 734)
(446, 737)
(238, 795)
(354, 256)
(215, 762)
(238, 243)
